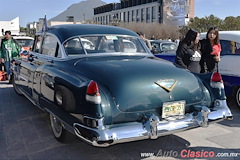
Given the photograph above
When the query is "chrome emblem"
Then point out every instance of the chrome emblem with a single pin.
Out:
(167, 84)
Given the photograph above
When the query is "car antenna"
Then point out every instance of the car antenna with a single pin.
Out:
(44, 26)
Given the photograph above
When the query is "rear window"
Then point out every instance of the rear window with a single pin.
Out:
(230, 47)
(24, 42)
(104, 44)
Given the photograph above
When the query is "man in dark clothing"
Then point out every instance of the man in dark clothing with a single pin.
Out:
(188, 53)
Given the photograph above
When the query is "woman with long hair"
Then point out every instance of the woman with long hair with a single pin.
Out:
(188, 54)
(210, 48)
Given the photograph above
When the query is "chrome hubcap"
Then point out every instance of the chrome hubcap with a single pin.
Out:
(56, 126)
(238, 97)
(59, 98)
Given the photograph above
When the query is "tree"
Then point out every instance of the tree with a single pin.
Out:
(231, 23)
(203, 24)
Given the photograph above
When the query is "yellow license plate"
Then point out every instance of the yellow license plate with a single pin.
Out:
(173, 109)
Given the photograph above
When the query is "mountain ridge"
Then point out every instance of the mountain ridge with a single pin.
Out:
(80, 11)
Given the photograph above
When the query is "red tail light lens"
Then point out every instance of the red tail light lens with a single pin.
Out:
(216, 77)
(93, 94)
(92, 88)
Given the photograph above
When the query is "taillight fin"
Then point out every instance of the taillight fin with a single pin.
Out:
(93, 93)
(216, 77)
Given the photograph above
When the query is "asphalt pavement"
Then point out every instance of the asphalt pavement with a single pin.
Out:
(25, 134)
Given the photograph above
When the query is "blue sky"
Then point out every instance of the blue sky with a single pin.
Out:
(31, 10)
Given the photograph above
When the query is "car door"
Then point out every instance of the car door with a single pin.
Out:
(48, 52)
(230, 57)
(26, 68)
(23, 74)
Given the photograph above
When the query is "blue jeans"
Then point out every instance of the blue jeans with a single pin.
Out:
(8, 68)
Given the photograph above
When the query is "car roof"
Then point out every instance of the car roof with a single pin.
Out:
(226, 35)
(63, 32)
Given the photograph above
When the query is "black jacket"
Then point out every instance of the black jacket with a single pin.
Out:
(208, 63)
(188, 53)
(189, 58)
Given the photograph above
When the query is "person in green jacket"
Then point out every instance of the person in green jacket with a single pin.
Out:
(9, 50)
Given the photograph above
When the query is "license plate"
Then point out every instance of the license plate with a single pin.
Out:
(173, 109)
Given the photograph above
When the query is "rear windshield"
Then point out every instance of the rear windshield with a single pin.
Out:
(104, 44)
(24, 42)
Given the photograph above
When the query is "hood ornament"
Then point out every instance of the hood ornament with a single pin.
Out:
(167, 84)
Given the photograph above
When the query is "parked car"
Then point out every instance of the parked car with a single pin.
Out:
(164, 49)
(107, 97)
(229, 64)
(25, 42)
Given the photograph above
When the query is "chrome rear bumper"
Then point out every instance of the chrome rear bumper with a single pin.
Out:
(151, 128)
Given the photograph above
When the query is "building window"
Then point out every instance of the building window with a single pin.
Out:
(160, 18)
(128, 16)
(148, 15)
(133, 15)
(106, 19)
(143, 15)
(137, 15)
(154, 14)
(121, 17)
(124, 16)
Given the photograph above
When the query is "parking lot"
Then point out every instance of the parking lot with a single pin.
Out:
(25, 134)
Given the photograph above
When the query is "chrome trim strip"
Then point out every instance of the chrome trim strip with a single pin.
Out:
(22, 78)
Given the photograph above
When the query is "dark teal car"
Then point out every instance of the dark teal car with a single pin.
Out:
(104, 92)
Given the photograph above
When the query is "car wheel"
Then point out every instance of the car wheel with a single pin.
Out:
(58, 130)
(64, 98)
(237, 96)
(16, 88)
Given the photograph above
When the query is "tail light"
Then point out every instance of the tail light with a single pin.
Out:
(93, 94)
(216, 77)
(216, 81)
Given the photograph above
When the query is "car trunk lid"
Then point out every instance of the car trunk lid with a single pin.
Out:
(138, 83)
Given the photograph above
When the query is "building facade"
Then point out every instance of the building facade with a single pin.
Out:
(39, 25)
(12, 26)
(173, 12)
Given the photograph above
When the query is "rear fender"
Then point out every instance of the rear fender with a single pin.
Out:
(216, 89)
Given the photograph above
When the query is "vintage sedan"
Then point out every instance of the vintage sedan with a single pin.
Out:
(164, 49)
(163, 46)
(112, 96)
(24, 41)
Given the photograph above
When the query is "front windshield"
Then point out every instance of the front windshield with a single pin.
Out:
(24, 42)
(104, 44)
